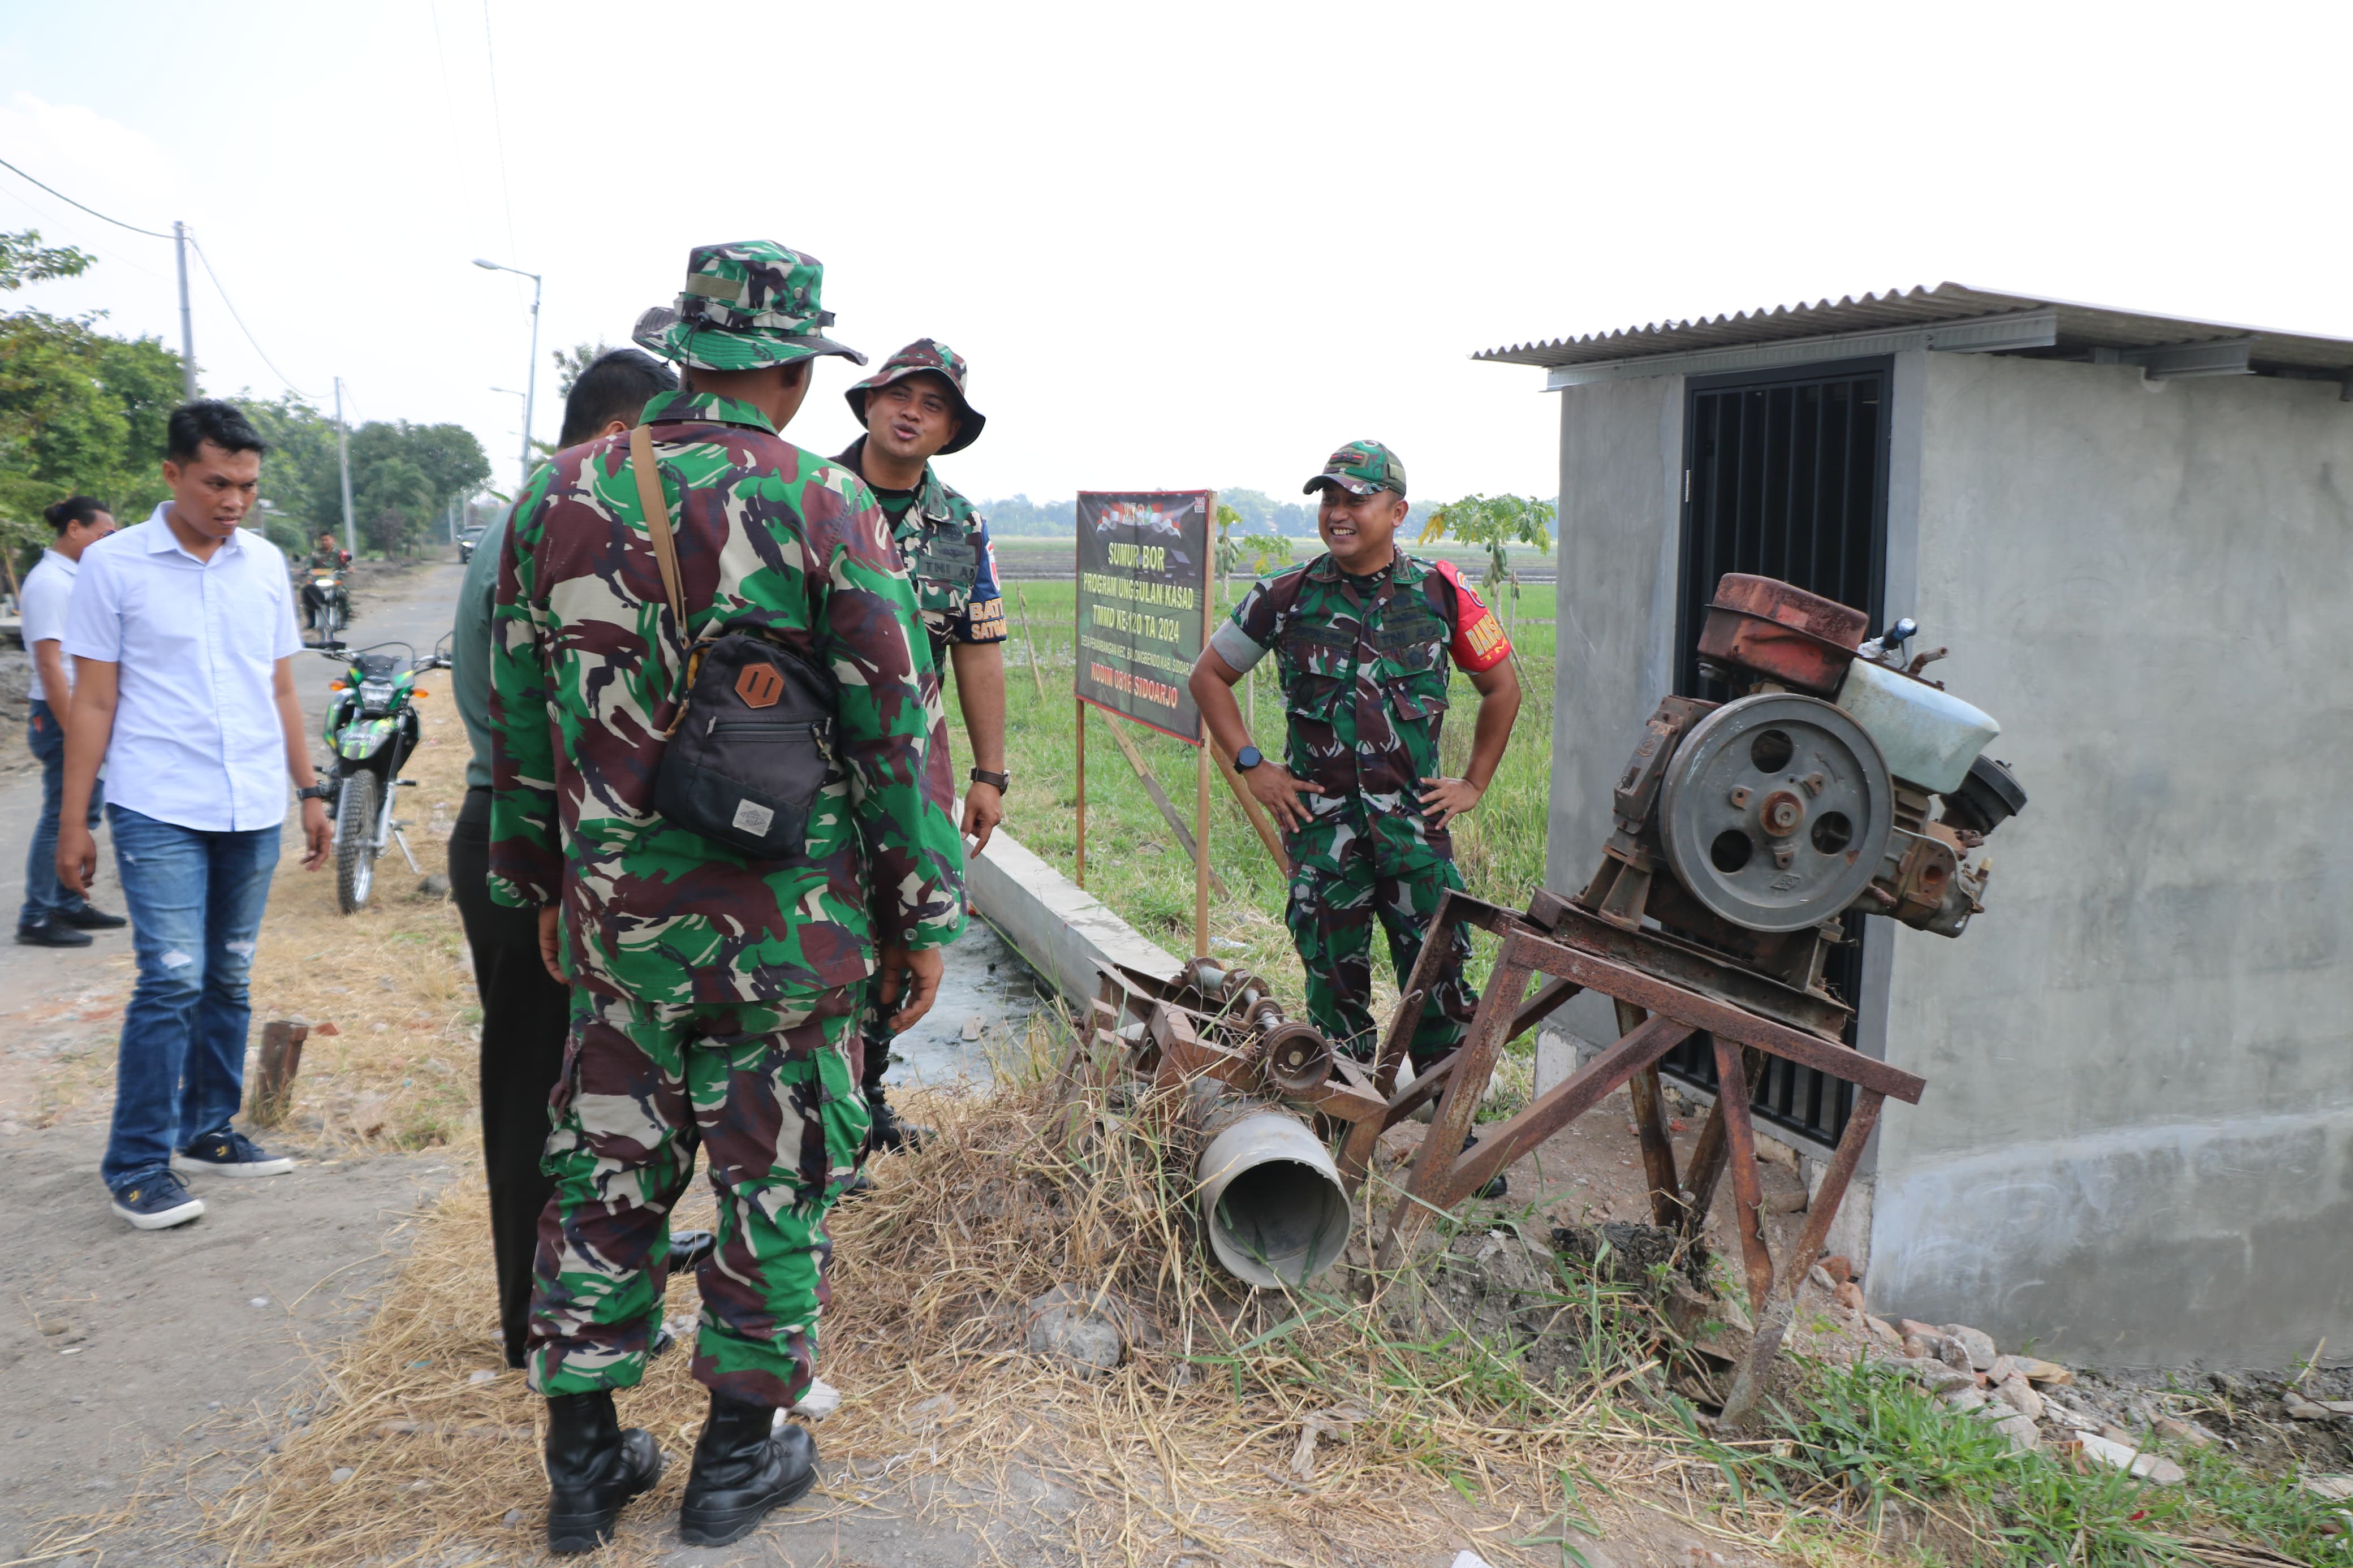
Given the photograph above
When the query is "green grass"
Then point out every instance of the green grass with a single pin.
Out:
(1873, 1440)
(1134, 863)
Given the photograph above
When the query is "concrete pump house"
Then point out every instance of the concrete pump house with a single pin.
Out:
(2134, 532)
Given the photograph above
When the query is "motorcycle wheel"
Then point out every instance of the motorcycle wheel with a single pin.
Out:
(355, 822)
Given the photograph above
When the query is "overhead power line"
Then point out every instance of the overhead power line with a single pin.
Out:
(241, 322)
(71, 202)
(499, 128)
(201, 257)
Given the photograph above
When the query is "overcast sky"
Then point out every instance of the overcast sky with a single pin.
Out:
(1181, 245)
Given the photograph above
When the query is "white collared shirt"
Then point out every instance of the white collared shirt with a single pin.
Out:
(48, 588)
(197, 740)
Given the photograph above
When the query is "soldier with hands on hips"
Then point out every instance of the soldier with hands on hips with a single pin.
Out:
(1364, 639)
(915, 409)
(714, 995)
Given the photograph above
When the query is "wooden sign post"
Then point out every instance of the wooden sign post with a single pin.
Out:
(1146, 563)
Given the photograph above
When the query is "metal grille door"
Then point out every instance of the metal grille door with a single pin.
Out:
(1785, 475)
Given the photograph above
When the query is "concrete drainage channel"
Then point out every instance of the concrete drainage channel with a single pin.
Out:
(1277, 1214)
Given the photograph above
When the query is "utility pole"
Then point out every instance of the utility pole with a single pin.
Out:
(343, 462)
(531, 385)
(187, 331)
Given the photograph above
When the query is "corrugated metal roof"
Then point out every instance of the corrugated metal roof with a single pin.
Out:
(2080, 326)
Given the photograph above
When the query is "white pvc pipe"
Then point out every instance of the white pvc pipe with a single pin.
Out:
(1271, 1201)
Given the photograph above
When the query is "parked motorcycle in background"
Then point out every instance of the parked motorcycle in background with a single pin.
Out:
(326, 604)
(371, 731)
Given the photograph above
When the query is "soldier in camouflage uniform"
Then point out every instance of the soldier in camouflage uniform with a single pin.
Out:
(915, 409)
(713, 995)
(1363, 638)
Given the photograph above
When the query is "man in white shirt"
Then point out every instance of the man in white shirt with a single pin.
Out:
(182, 631)
(50, 917)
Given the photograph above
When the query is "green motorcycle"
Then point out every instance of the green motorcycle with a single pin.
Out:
(371, 731)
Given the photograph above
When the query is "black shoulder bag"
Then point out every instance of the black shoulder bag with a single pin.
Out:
(752, 742)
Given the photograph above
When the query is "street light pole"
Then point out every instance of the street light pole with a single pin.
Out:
(531, 381)
(187, 331)
(343, 470)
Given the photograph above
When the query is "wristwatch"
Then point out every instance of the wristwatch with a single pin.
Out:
(1002, 781)
(315, 792)
(1248, 758)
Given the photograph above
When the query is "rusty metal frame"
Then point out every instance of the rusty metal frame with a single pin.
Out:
(1655, 1016)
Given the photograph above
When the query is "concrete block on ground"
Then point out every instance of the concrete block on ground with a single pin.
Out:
(1063, 929)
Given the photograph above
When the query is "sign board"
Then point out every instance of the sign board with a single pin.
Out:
(1144, 561)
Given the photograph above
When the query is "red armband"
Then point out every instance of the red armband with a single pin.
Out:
(1479, 641)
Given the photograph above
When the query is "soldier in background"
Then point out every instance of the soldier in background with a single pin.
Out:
(714, 995)
(915, 409)
(1363, 638)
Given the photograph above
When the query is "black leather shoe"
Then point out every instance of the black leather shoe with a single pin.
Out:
(592, 1469)
(859, 1182)
(52, 933)
(742, 1468)
(89, 917)
(688, 1248)
(891, 1134)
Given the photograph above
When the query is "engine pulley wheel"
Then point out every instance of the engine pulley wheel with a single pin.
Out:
(1774, 811)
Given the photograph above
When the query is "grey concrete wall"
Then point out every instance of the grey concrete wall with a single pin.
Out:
(2137, 1142)
(1620, 503)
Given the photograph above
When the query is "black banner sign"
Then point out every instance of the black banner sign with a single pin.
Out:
(1144, 573)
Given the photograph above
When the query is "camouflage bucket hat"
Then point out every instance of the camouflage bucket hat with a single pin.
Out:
(924, 355)
(746, 305)
(1360, 467)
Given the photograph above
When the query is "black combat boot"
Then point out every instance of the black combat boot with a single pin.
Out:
(688, 1248)
(593, 1467)
(892, 1134)
(742, 1468)
(1498, 1185)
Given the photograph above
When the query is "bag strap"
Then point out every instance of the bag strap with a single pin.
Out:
(655, 507)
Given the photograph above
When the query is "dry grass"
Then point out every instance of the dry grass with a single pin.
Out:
(395, 979)
(1189, 1451)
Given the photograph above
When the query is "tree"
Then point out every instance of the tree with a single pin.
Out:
(302, 485)
(1495, 522)
(404, 475)
(80, 410)
(391, 503)
(571, 362)
(23, 259)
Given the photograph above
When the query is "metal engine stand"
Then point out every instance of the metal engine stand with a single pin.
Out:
(1655, 1016)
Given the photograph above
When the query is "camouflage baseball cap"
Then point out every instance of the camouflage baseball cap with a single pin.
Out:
(924, 355)
(1360, 467)
(746, 305)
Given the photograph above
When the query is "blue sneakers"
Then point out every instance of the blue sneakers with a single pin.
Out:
(158, 1203)
(229, 1153)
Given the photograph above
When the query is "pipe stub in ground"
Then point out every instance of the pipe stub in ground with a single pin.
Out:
(1271, 1201)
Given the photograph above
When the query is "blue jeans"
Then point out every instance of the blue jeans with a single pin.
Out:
(44, 894)
(195, 900)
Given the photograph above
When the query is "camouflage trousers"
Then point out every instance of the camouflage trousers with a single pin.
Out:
(769, 1092)
(1343, 881)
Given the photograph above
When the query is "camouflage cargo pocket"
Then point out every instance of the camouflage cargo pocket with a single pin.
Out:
(1418, 695)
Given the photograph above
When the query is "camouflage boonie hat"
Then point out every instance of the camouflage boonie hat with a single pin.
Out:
(1360, 467)
(924, 354)
(746, 305)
